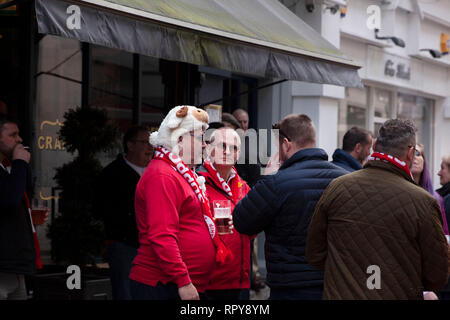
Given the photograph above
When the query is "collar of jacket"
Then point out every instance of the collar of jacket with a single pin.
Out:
(388, 167)
(344, 157)
(304, 155)
(202, 171)
(444, 190)
(121, 161)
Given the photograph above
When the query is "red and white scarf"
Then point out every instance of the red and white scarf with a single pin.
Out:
(6, 163)
(175, 161)
(377, 156)
(221, 183)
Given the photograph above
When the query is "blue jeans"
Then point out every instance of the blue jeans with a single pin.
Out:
(120, 258)
(313, 293)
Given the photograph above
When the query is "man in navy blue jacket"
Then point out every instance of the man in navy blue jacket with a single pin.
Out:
(355, 149)
(17, 251)
(282, 205)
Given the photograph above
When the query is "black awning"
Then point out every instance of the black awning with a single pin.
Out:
(251, 49)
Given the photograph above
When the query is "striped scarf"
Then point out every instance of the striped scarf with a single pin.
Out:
(377, 156)
(191, 177)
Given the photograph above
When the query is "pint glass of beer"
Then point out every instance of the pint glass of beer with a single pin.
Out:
(39, 212)
(222, 216)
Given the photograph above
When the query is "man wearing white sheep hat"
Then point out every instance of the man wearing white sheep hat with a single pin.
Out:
(179, 246)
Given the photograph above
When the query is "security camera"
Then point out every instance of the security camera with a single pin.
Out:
(434, 53)
(309, 5)
(398, 42)
(333, 9)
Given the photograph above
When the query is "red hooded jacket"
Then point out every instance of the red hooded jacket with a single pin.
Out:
(234, 273)
(175, 244)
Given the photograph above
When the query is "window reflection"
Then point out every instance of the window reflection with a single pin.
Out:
(58, 89)
(152, 88)
(112, 84)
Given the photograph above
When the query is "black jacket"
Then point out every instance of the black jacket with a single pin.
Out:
(17, 253)
(344, 160)
(282, 205)
(249, 171)
(444, 192)
(115, 203)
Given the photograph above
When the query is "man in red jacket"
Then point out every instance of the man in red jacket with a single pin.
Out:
(179, 246)
(230, 281)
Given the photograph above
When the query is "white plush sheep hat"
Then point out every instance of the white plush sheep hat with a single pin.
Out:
(179, 121)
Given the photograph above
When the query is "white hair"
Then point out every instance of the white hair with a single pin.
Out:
(232, 131)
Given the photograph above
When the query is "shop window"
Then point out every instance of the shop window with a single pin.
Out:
(111, 86)
(382, 104)
(58, 89)
(419, 110)
(352, 111)
(152, 88)
(358, 110)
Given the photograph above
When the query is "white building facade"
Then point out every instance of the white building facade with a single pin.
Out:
(398, 82)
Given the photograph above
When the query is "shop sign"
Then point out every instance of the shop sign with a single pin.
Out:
(393, 69)
(50, 142)
(397, 69)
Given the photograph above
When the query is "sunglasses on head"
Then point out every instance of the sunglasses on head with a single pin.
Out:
(277, 126)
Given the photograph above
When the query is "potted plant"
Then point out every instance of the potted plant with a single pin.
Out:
(76, 235)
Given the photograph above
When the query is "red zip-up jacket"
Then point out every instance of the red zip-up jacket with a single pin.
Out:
(175, 244)
(234, 273)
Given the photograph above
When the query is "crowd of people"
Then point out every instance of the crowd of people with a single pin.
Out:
(184, 217)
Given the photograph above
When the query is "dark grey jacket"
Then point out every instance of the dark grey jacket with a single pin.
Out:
(282, 205)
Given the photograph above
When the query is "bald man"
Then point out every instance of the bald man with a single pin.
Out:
(242, 117)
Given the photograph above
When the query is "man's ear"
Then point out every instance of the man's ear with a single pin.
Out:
(358, 148)
(208, 149)
(130, 145)
(410, 154)
(288, 144)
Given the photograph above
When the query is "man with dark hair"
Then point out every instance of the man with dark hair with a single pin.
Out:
(115, 206)
(17, 249)
(282, 205)
(375, 232)
(355, 149)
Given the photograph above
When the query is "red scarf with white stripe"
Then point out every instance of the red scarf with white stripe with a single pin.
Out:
(6, 163)
(191, 177)
(220, 182)
(377, 156)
